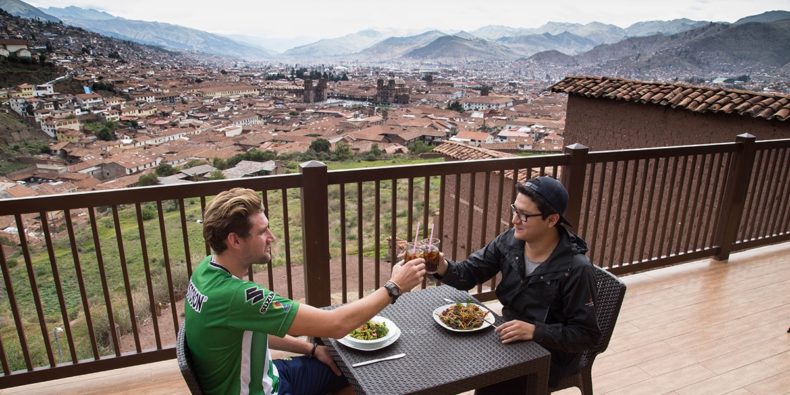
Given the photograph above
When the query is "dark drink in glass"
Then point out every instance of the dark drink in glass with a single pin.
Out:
(431, 254)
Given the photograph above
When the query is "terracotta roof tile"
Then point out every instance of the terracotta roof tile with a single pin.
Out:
(768, 106)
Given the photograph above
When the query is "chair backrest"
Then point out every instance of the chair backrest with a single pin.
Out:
(185, 362)
(611, 292)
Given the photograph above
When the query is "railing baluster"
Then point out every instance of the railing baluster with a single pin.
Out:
(484, 221)
(586, 209)
(426, 207)
(618, 210)
(3, 360)
(677, 199)
(58, 287)
(470, 214)
(667, 210)
(706, 177)
(641, 219)
(694, 218)
(457, 205)
(270, 264)
(643, 247)
(81, 283)
(686, 220)
(168, 271)
(287, 242)
(719, 195)
(105, 288)
(148, 283)
(20, 328)
(185, 233)
(393, 222)
(607, 219)
(125, 272)
(202, 211)
(598, 214)
(442, 197)
(628, 217)
(360, 242)
(377, 236)
(343, 263)
(410, 210)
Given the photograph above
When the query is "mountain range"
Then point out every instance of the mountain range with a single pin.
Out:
(753, 42)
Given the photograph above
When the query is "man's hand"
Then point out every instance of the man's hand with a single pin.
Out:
(322, 354)
(443, 265)
(513, 331)
(408, 274)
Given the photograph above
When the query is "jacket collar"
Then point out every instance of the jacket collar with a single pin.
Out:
(560, 259)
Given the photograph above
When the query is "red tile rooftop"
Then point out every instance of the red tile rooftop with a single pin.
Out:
(769, 106)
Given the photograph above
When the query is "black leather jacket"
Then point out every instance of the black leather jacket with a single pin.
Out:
(558, 297)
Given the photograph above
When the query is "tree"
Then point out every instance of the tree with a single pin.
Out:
(165, 169)
(419, 147)
(455, 106)
(148, 179)
(105, 135)
(216, 175)
(342, 152)
(320, 145)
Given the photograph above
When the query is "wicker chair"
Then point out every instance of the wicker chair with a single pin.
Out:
(185, 362)
(611, 292)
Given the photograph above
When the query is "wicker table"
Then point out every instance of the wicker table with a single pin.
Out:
(439, 361)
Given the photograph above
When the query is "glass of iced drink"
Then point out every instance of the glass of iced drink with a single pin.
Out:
(412, 251)
(431, 254)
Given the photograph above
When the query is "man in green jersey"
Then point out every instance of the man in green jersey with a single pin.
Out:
(231, 323)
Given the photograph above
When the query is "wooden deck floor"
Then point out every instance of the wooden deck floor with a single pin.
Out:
(704, 327)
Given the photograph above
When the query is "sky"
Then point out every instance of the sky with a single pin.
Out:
(328, 19)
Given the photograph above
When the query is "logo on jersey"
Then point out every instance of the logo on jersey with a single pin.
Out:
(195, 298)
(255, 295)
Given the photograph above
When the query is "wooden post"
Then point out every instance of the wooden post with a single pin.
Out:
(315, 233)
(736, 188)
(573, 179)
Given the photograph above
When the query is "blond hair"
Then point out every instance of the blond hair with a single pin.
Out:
(228, 213)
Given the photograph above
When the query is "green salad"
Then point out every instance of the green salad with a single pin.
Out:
(370, 331)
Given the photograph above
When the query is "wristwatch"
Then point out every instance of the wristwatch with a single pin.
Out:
(393, 290)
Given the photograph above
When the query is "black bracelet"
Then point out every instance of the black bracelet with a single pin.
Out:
(312, 352)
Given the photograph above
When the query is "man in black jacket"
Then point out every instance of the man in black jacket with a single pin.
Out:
(547, 290)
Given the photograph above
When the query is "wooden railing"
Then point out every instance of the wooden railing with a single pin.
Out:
(94, 281)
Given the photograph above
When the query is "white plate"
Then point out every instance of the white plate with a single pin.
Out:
(372, 345)
(487, 320)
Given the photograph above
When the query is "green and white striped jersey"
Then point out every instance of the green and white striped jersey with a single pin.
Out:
(228, 321)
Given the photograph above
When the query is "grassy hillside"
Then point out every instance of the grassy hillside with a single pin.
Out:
(18, 140)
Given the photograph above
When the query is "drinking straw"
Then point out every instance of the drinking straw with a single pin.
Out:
(416, 234)
(430, 240)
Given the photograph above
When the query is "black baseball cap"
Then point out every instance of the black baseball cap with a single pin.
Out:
(553, 192)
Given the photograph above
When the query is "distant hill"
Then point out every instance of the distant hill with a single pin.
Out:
(714, 48)
(25, 10)
(395, 47)
(554, 58)
(348, 44)
(770, 16)
(165, 35)
(565, 42)
(649, 28)
(454, 47)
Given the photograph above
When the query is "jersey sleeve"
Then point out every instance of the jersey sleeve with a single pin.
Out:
(258, 309)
